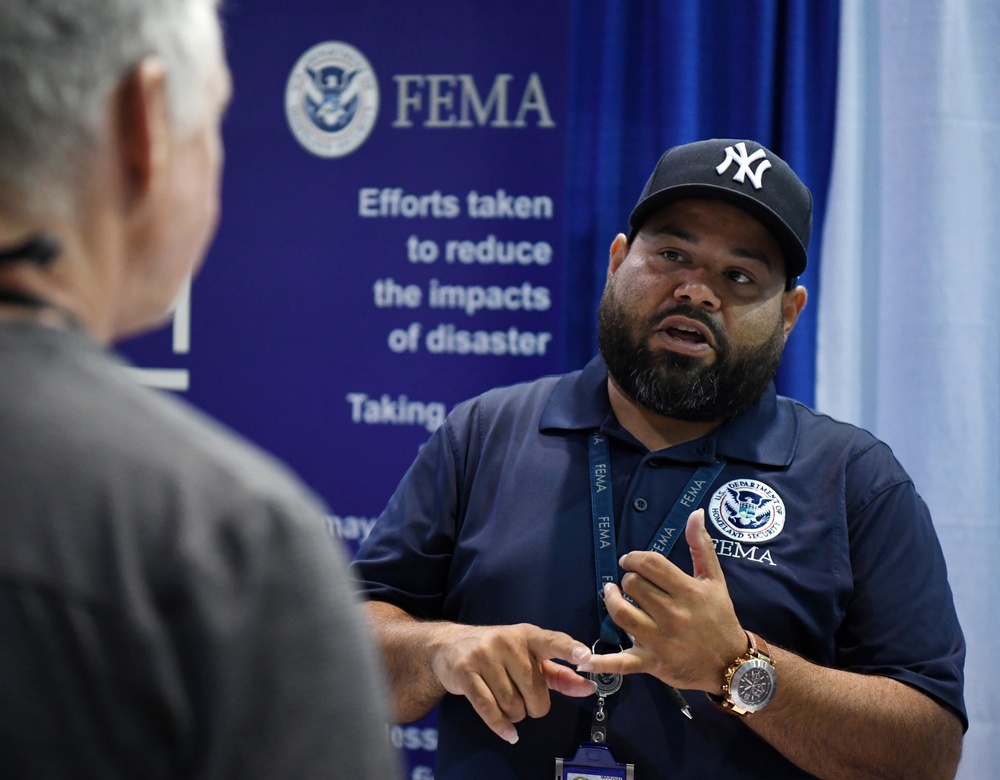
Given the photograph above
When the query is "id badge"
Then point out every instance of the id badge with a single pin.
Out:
(593, 761)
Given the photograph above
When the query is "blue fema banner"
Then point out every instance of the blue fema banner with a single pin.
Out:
(391, 239)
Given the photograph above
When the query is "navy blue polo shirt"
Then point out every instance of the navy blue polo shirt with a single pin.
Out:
(828, 551)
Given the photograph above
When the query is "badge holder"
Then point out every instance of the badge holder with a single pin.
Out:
(594, 760)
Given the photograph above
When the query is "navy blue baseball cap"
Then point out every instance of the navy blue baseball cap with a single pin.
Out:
(743, 173)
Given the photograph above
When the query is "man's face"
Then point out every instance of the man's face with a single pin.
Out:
(694, 316)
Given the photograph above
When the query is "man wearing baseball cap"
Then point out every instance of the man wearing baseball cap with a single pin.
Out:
(744, 587)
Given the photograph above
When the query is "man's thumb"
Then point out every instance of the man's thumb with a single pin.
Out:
(703, 557)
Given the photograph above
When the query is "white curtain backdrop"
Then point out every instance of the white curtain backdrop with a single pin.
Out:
(909, 298)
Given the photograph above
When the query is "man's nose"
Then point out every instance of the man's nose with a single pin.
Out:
(694, 288)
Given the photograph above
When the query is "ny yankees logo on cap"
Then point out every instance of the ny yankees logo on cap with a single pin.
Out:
(744, 160)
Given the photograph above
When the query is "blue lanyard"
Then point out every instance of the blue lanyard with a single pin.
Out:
(603, 511)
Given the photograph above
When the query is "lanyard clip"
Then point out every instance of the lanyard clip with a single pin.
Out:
(599, 724)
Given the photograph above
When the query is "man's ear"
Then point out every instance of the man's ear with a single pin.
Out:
(792, 304)
(616, 256)
(142, 127)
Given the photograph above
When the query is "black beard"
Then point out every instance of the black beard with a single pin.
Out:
(681, 386)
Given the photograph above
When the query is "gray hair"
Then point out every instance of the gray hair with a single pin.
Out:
(60, 62)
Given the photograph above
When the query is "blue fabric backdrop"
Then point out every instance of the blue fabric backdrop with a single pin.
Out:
(909, 323)
(281, 330)
(646, 75)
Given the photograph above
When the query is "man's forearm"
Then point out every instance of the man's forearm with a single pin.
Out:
(837, 724)
(404, 641)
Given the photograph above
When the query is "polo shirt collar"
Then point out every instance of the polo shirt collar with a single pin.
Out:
(766, 434)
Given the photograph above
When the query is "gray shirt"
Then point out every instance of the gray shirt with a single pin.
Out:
(170, 602)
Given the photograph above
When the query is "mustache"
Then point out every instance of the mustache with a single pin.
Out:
(692, 313)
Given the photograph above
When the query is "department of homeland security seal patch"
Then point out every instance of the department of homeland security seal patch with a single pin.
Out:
(331, 99)
(747, 510)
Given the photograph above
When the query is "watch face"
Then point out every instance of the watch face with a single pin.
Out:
(753, 685)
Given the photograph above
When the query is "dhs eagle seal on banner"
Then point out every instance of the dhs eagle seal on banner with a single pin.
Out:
(331, 99)
(747, 510)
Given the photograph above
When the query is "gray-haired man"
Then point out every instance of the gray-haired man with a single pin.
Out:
(170, 603)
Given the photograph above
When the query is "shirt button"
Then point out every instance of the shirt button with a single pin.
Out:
(640, 505)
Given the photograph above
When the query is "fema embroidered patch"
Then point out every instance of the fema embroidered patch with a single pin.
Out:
(747, 510)
(331, 99)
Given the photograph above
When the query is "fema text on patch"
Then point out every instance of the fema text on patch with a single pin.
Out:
(730, 549)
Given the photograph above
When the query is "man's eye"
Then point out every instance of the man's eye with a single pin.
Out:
(740, 277)
(672, 256)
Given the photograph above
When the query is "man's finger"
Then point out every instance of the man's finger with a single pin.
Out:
(625, 662)
(706, 562)
(518, 690)
(546, 645)
(567, 682)
(483, 702)
(624, 611)
(529, 694)
(656, 570)
(531, 680)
